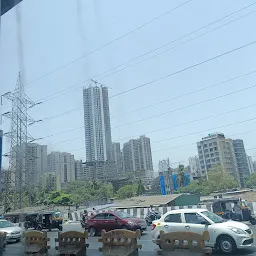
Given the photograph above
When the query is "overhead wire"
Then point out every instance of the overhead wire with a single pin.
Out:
(110, 42)
(74, 87)
(169, 127)
(186, 69)
(167, 100)
(187, 106)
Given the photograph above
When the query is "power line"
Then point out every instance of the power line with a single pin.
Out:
(198, 103)
(168, 49)
(189, 122)
(74, 87)
(186, 94)
(185, 69)
(193, 133)
(189, 134)
(111, 42)
(164, 101)
(167, 128)
(187, 106)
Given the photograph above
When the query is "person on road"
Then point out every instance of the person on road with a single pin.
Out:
(93, 212)
(151, 210)
(238, 211)
(85, 215)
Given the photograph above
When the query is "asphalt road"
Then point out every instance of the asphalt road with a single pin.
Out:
(148, 248)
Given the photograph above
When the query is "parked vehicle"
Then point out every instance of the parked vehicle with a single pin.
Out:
(114, 220)
(14, 233)
(226, 235)
(31, 221)
(151, 217)
(49, 220)
(224, 208)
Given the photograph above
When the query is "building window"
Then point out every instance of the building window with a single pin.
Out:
(205, 145)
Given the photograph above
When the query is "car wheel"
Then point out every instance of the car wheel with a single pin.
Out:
(226, 244)
(92, 231)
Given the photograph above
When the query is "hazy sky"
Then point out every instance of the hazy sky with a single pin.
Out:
(55, 33)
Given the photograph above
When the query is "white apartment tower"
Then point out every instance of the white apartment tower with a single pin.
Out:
(63, 164)
(97, 124)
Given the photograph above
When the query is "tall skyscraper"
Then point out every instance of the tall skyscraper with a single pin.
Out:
(215, 149)
(97, 124)
(117, 157)
(63, 164)
(137, 155)
(241, 160)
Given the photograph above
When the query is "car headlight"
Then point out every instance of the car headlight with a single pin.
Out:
(8, 234)
(237, 230)
(131, 223)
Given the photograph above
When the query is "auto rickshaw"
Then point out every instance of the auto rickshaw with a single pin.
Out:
(49, 220)
(31, 220)
(225, 208)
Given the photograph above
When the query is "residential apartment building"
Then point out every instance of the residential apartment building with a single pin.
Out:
(194, 167)
(97, 124)
(241, 161)
(79, 170)
(100, 170)
(215, 149)
(63, 164)
(250, 165)
(117, 157)
(51, 181)
(137, 155)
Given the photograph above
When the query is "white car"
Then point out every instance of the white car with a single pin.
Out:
(226, 235)
(13, 233)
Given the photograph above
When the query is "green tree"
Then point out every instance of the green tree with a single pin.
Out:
(251, 181)
(218, 180)
(181, 178)
(126, 191)
(140, 188)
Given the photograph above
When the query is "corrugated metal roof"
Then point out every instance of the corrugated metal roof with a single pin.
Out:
(146, 201)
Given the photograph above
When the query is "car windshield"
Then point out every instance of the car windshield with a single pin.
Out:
(123, 215)
(213, 217)
(6, 224)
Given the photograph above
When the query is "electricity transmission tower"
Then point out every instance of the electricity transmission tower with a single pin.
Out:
(16, 178)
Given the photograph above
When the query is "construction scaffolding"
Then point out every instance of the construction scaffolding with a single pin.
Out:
(16, 180)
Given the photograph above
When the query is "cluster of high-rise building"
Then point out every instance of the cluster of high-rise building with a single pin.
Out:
(105, 160)
(230, 154)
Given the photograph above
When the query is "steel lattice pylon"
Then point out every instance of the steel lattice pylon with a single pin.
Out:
(16, 178)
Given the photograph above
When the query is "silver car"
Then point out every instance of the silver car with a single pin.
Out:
(13, 232)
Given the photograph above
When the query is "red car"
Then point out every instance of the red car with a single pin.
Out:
(114, 220)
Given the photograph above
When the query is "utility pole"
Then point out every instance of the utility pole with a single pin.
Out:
(17, 176)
